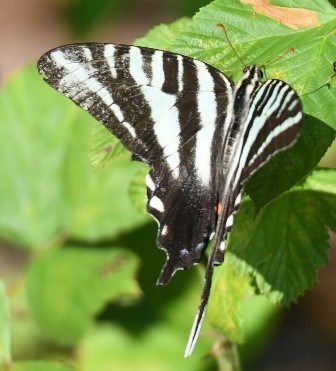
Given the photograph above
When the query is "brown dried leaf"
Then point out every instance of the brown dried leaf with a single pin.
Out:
(291, 17)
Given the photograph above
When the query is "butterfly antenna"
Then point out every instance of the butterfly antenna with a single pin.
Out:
(220, 25)
(271, 61)
(327, 83)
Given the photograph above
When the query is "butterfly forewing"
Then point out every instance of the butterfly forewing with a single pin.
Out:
(170, 112)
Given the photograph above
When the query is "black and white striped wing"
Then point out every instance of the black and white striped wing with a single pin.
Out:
(272, 124)
(169, 111)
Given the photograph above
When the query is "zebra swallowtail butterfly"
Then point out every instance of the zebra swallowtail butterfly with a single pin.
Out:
(201, 135)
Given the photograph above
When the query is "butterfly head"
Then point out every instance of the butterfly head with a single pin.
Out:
(246, 87)
(253, 73)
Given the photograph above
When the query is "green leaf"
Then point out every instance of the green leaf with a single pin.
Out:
(48, 189)
(163, 35)
(32, 149)
(285, 244)
(258, 40)
(136, 190)
(27, 341)
(105, 209)
(228, 291)
(238, 313)
(190, 7)
(5, 334)
(105, 147)
(260, 324)
(159, 348)
(41, 366)
(68, 287)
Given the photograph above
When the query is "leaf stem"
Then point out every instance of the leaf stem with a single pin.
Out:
(227, 355)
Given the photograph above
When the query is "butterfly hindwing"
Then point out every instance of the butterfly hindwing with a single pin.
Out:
(267, 120)
(271, 124)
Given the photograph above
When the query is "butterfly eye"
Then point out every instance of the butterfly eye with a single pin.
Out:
(245, 69)
(260, 74)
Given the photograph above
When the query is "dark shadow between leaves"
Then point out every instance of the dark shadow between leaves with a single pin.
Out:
(137, 317)
(291, 166)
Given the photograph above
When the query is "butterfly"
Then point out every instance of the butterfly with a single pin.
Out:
(201, 135)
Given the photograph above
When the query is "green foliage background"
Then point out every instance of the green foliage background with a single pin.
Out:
(88, 298)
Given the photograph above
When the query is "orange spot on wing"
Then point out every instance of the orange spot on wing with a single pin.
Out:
(291, 17)
(218, 208)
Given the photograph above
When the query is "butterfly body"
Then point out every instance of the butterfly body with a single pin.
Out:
(201, 135)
